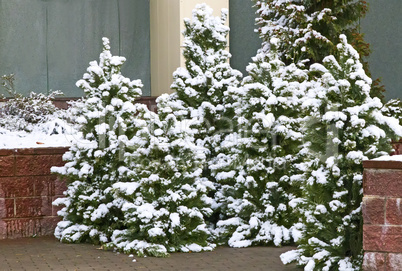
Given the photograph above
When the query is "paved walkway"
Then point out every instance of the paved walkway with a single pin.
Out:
(47, 253)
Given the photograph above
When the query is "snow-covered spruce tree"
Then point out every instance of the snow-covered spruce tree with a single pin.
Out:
(310, 29)
(107, 118)
(258, 167)
(201, 85)
(164, 200)
(346, 127)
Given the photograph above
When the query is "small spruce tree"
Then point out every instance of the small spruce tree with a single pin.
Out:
(346, 127)
(106, 117)
(164, 200)
(258, 169)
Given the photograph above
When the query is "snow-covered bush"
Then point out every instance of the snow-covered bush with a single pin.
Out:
(201, 87)
(107, 117)
(346, 126)
(258, 167)
(164, 199)
(21, 113)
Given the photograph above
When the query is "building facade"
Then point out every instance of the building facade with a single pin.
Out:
(48, 44)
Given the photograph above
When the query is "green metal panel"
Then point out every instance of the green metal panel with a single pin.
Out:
(135, 41)
(70, 37)
(243, 41)
(382, 27)
(23, 43)
(75, 31)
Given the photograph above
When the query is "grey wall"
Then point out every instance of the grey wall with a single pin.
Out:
(383, 30)
(48, 44)
(243, 42)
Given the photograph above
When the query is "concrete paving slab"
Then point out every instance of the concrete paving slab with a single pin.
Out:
(47, 253)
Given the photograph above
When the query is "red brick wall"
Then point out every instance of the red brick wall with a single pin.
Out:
(27, 190)
(397, 146)
(382, 216)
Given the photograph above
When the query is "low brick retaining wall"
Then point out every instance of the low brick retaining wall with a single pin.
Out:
(27, 190)
(382, 215)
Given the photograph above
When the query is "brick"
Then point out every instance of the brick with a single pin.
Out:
(47, 207)
(29, 207)
(6, 166)
(11, 187)
(22, 227)
(9, 208)
(42, 151)
(3, 230)
(3, 211)
(48, 224)
(374, 261)
(27, 227)
(57, 161)
(27, 151)
(382, 238)
(60, 186)
(59, 151)
(31, 165)
(375, 164)
(373, 210)
(397, 146)
(382, 182)
(394, 262)
(394, 211)
(45, 186)
(6, 152)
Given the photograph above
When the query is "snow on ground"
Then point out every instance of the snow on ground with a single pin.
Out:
(55, 133)
(13, 140)
(389, 158)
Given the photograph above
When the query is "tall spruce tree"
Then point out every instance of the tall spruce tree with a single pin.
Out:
(106, 118)
(201, 85)
(309, 30)
(346, 127)
(164, 199)
(258, 166)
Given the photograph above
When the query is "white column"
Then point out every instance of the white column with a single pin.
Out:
(166, 37)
